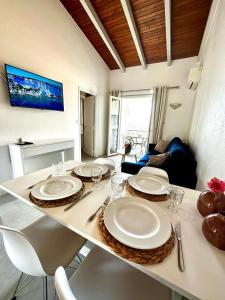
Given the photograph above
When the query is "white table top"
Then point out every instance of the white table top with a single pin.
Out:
(204, 276)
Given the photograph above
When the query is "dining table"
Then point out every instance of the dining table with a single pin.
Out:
(204, 275)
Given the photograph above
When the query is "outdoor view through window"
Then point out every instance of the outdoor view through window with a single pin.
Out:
(135, 118)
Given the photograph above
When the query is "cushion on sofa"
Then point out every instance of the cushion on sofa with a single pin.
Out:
(161, 146)
(174, 141)
(178, 151)
(157, 160)
(145, 158)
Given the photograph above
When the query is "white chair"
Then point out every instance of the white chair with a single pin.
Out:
(154, 171)
(109, 163)
(102, 276)
(41, 247)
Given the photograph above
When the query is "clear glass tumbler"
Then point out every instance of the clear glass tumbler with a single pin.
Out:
(96, 175)
(117, 185)
(175, 197)
(58, 168)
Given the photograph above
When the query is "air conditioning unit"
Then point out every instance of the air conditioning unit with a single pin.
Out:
(194, 77)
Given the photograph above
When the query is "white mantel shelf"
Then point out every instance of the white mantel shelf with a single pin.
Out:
(22, 154)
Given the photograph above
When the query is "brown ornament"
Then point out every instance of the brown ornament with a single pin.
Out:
(213, 228)
(210, 202)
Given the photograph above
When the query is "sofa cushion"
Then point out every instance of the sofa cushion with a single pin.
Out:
(140, 163)
(174, 141)
(161, 146)
(177, 149)
(157, 160)
(145, 158)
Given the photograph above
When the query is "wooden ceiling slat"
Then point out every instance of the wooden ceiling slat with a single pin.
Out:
(187, 26)
(113, 19)
(188, 20)
(79, 15)
(149, 14)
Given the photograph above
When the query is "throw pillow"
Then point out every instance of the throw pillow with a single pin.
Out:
(161, 146)
(157, 160)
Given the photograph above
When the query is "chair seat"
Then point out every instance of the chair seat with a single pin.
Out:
(154, 171)
(109, 163)
(55, 244)
(102, 276)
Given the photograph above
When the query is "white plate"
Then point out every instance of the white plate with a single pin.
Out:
(85, 169)
(149, 184)
(56, 188)
(137, 223)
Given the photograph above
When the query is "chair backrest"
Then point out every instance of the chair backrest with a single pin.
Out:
(21, 252)
(62, 286)
(109, 163)
(154, 171)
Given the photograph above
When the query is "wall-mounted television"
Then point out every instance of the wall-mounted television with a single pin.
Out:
(27, 89)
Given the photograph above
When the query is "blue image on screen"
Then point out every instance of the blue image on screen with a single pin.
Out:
(27, 89)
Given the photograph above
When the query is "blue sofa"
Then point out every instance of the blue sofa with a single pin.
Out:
(180, 164)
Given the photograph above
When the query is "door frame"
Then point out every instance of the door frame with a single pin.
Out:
(109, 122)
(80, 89)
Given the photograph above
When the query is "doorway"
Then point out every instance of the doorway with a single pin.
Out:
(129, 122)
(87, 125)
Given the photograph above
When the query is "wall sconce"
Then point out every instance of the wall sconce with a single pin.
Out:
(175, 105)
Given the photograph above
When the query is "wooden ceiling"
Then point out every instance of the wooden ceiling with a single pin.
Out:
(188, 20)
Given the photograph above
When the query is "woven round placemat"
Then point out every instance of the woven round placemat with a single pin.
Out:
(154, 198)
(151, 256)
(56, 203)
(88, 179)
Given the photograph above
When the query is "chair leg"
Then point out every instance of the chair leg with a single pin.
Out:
(79, 258)
(54, 295)
(71, 267)
(45, 288)
(13, 296)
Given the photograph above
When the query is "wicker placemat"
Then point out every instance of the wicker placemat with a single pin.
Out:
(88, 179)
(152, 256)
(154, 198)
(56, 203)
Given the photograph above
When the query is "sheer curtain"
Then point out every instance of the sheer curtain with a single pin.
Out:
(159, 103)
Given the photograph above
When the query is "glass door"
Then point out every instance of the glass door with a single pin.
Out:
(114, 125)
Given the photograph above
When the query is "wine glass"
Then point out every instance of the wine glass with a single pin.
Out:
(96, 175)
(117, 185)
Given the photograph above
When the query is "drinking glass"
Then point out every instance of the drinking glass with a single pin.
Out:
(58, 168)
(96, 175)
(175, 196)
(117, 185)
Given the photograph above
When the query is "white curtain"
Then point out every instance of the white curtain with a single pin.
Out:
(159, 103)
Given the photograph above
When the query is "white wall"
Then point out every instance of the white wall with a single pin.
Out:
(177, 122)
(208, 130)
(41, 37)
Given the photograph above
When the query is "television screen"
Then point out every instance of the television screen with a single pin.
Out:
(27, 89)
